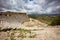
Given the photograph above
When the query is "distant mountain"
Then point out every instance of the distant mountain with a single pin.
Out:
(45, 14)
(50, 14)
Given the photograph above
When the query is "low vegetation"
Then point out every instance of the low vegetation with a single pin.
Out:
(21, 33)
(50, 19)
(56, 21)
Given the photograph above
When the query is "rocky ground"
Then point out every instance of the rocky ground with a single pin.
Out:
(32, 30)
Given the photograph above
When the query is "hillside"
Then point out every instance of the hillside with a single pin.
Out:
(50, 19)
(18, 27)
(31, 30)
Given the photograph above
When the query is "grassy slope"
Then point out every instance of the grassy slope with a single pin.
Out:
(50, 20)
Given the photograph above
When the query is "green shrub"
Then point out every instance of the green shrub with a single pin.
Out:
(56, 21)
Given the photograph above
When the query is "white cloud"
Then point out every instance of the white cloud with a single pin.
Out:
(31, 7)
(48, 10)
(40, 1)
(39, 6)
(58, 7)
(52, 3)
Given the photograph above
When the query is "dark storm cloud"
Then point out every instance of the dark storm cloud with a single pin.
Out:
(11, 5)
(1, 9)
(38, 6)
(55, 2)
(5, 4)
(52, 6)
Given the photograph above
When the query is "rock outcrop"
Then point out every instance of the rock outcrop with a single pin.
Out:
(12, 19)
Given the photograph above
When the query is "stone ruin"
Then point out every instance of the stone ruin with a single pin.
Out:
(12, 19)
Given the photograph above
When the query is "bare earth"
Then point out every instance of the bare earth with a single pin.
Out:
(41, 30)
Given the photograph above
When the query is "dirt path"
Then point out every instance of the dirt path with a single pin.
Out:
(42, 31)
(42, 34)
(48, 34)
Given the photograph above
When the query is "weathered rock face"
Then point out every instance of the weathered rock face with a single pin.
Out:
(12, 19)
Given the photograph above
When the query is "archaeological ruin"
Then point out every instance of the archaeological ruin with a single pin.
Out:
(12, 19)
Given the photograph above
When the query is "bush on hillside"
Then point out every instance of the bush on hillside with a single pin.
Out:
(56, 21)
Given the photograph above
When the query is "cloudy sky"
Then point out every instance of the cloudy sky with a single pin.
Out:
(31, 6)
